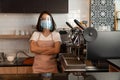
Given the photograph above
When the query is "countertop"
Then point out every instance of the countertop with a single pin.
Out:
(19, 62)
(114, 62)
(57, 76)
(63, 76)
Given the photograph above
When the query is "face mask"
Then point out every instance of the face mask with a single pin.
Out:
(47, 24)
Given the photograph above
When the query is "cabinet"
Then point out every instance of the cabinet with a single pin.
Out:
(114, 65)
(24, 70)
(16, 70)
(8, 70)
(113, 69)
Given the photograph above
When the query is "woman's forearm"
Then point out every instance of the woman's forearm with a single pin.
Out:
(53, 50)
(44, 50)
(36, 49)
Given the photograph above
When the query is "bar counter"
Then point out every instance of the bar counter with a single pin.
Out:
(63, 76)
(57, 76)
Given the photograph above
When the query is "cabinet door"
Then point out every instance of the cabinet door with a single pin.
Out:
(24, 70)
(15, 70)
(113, 69)
(8, 70)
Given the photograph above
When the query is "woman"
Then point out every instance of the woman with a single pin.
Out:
(45, 44)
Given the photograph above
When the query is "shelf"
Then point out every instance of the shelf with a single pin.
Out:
(14, 36)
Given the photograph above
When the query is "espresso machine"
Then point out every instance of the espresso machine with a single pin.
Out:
(74, 61)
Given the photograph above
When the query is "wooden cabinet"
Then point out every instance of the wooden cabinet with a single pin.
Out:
(114, 65)
(16, 70)
(24, 70)
(113, 69)
(8, 70)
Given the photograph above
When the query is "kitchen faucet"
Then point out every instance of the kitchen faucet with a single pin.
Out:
(23, 52)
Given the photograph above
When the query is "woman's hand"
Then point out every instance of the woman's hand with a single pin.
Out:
(53, 50)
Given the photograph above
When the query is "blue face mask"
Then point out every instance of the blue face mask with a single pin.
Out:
(47, 24)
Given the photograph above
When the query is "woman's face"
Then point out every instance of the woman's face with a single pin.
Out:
(46, 22)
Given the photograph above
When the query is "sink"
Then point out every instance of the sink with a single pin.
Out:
(6, 62)
(15, 62)
(19, 61)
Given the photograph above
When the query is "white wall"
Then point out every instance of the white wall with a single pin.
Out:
(78, 9)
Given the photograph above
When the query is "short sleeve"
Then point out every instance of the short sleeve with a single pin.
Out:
(35, 36)
(56, 36)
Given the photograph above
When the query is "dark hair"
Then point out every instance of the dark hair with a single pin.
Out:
(38, 26)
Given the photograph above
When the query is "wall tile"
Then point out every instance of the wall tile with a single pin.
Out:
(102, 13)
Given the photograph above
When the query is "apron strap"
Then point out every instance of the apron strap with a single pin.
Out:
(39, 36)
(52, 36)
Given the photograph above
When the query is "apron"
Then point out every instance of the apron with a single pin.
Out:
(45, 63)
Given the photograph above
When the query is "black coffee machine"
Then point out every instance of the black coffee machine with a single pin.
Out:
(74, 60)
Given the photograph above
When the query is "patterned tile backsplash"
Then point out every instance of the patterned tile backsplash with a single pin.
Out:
(102, 13)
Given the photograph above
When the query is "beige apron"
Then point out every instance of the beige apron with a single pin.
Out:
(45, 63)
